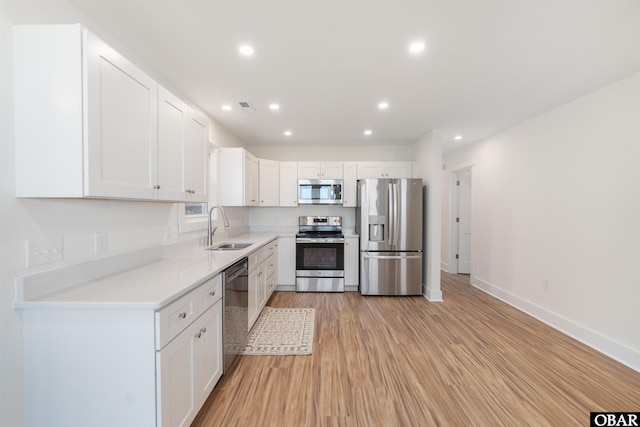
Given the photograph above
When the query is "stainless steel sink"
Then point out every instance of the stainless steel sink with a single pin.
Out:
(229, 246)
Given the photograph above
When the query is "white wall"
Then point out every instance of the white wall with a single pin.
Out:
(428, 155)
(557, 197)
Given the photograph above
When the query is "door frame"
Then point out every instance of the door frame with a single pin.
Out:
(453, 211)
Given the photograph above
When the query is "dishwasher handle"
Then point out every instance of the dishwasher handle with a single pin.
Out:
(236, 270)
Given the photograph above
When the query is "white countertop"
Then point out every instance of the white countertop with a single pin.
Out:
(151, 286)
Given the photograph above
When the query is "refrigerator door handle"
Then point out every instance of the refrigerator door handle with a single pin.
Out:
(394, 206)
(393, 215)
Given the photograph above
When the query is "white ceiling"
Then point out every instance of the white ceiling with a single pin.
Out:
(487, 64)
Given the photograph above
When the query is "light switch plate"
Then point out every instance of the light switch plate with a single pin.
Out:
(39, 252)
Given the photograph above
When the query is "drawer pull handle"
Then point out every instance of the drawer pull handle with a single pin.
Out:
(198, 335)
(203, 330)
(212, 293)
(182, 315)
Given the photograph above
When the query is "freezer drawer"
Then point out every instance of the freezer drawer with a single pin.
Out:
(391, 273)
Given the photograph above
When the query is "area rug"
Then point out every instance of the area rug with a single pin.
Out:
(281, 332)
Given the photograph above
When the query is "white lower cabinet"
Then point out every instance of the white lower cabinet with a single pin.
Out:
(286, 260)
(189, 368)
(123, 366)
(262, 279)
(351, 261)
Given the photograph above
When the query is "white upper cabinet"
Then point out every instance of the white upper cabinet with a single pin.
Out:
(173, 116)
(239, 177)
(350, 185)
(122, 142)
(385, 170)
(288, 183)
(269, 182)
(97, 120)
(196, 163)
(317, 170)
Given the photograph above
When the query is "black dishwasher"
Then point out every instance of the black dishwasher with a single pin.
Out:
(235, 321)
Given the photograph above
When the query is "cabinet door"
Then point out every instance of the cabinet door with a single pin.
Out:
(399, 170)
(262, 286)
(175, 364)
(351, 260)
(231, 166)
(371, 170)
(197, 158)
(350, 185)
(251, 179)
(288, 184)
(272, 270)
(252, 294)
(286, 265)
(122, 144)
(208, 352)
(331, 170)
(172, 125)
(269, 183)
(309, 170)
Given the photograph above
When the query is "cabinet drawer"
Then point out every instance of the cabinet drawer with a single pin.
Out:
(209, 293)
(270, 265)
(174, 318)
(177, 316)
(255, 258)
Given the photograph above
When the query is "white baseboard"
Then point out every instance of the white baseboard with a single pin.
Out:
(431, 294)
(615, 350)
(444, 266)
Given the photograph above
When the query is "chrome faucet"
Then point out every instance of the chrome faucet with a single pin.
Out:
(212, 230)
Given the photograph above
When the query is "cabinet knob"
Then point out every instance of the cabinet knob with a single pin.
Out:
(198, 335)
(182, 315)
(212, 293)
(203, 330)
(156, 187)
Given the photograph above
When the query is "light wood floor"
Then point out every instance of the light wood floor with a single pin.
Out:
(404, 361)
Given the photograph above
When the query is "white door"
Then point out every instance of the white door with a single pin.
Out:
(464, 221)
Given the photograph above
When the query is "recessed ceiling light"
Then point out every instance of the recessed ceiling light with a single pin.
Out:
(383, 105)
(416, 47)
(457, 137)
(274, 106)
(368, 132)
(226, 107)
(246, 50)
(287, 133)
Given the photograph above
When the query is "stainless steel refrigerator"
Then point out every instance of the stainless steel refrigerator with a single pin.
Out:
(389, 222)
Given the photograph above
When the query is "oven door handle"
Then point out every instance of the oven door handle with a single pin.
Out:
(305, 240)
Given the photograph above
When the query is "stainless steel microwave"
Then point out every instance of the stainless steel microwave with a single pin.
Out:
(320, 191)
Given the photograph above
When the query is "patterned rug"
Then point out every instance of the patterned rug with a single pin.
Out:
(281, 332)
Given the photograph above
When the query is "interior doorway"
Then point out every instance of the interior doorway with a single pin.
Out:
(461, 233)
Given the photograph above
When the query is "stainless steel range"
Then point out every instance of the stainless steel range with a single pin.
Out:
(320, 254)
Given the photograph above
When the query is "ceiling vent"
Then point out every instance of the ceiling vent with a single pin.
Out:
(247, 107)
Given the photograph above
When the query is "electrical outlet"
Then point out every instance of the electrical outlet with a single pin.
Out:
(100, 243)
(39, 252)
(546, 284)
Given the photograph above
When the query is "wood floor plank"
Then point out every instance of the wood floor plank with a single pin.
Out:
(404, 361)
